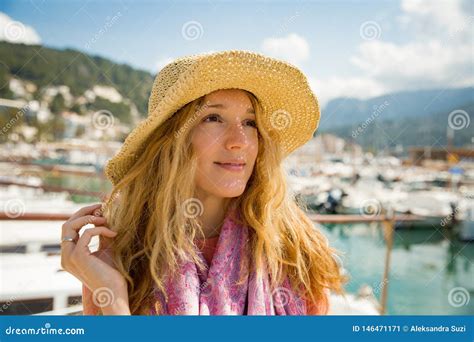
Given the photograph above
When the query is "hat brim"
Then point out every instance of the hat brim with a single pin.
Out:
(290, 109)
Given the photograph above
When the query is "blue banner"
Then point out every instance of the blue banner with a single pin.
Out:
(242, 328)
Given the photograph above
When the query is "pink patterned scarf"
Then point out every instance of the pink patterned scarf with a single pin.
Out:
(215, 292)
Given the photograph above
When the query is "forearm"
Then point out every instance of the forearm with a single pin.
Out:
(119, 307)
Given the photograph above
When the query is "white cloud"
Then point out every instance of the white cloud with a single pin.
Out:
(293, 48)
(448, 17)
(334, 87)
(416, 65)
(439, 55)
(16, 32)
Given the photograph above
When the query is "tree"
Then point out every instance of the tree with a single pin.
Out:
(58, 105)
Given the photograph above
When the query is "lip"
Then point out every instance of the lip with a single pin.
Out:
(237, 167)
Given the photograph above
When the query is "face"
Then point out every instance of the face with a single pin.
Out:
(225, 140)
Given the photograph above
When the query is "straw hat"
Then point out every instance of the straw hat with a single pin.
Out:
(290, 109)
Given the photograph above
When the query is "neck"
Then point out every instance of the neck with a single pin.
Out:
(213, 215)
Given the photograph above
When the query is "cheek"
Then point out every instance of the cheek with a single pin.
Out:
(203, 137)
(203, 147)
(204, 142)
(253, 146)
(201, 142)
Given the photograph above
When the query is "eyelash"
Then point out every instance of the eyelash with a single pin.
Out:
(217, 116)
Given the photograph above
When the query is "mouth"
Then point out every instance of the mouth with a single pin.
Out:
(231, 166)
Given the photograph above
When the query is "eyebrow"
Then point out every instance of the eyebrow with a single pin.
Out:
(221, 106)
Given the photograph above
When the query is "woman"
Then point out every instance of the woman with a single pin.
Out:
(200, 221)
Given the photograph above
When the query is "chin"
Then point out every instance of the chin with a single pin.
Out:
(232, 195)
(232, 189)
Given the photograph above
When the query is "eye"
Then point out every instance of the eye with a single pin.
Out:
(212, 116)
(252, 123)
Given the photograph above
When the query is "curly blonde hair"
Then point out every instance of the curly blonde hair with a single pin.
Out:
(145, 208)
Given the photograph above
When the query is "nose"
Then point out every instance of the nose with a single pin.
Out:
(236, 137)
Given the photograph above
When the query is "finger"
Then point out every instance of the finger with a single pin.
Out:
(85, 211)
(85, 239)
(80, 222)
(70, 234)
(71, 229)
(104, 242)
(98, 212)
(66, 249)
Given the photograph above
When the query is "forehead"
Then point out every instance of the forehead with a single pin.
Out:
(228, 97)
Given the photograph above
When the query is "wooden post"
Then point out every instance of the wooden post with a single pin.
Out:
(389, 226)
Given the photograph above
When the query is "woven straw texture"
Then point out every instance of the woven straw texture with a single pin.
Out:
(290, 109)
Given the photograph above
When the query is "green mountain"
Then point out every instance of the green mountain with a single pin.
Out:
(45, 66)
(410, 118)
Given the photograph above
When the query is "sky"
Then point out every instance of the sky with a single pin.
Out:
(347, 48)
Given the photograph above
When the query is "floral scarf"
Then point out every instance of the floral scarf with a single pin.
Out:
(214, 291)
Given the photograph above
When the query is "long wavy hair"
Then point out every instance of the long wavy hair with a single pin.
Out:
(147, 209)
